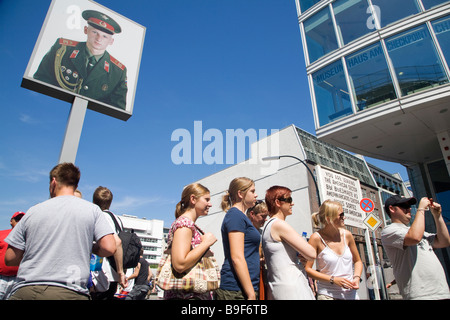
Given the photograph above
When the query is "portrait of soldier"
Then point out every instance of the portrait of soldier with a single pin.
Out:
(86, 68)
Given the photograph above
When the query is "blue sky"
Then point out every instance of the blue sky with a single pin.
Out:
(230, 64)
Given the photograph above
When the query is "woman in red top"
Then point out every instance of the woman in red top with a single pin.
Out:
(7, 274)
(188, 245)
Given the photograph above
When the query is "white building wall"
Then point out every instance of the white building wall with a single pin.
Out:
(287, 172)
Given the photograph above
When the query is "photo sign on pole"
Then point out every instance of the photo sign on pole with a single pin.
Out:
(90, 56)
(69, 61)
(344, 189)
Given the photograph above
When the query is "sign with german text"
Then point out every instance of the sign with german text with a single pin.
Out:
(345, 189)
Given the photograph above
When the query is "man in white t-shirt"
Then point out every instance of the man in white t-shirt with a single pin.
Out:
(417, 270)
(52, 243)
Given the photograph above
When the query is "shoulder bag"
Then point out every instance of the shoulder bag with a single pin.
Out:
(203, 277)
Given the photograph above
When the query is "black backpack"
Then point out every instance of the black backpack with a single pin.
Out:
(131, 245)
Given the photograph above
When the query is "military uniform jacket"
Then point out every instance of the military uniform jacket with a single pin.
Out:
(65, 66)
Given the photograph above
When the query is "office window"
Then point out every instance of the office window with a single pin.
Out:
(364, 193)
(351, 18)
(441, 28)
(331, 93)
(306, 4)
(428, 4)
(320, 35)
(389, 11)
(415, 60)
(369, 77)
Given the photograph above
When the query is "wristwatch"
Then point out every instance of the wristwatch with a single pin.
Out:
(332, 280)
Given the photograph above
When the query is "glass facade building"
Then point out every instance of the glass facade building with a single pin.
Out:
(379, 80)
(388, 66)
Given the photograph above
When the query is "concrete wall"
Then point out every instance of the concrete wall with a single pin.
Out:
(287, 172)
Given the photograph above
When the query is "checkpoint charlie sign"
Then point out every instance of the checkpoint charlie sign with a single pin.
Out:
(88, 51)
(344, 189)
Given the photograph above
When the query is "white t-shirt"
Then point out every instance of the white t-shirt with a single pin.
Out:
(109, 271)
(56, 237)
(417, 270)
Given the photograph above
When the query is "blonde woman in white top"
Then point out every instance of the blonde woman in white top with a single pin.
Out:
(338, 263)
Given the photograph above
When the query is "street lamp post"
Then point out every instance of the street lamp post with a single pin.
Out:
(302, 162)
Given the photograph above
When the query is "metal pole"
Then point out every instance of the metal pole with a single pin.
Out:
(378, 263)
(310, 172)
(73, 131)
(372, 262)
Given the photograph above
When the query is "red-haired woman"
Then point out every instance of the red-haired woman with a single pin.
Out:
(281, 243)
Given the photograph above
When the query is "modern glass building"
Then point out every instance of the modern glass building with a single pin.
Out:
(378, 73)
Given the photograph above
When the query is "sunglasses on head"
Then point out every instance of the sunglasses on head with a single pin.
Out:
(256, 203)
(288, 199)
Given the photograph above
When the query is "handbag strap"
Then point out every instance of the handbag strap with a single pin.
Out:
(198, 229)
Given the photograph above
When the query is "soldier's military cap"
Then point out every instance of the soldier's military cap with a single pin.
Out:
(101, 21)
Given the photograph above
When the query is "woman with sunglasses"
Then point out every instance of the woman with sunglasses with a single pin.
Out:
(281, 243)
(339, 265)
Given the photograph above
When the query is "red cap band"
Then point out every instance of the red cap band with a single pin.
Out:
(102, 24)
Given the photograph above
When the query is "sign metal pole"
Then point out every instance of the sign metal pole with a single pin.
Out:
(73, 131)
(372, 223)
